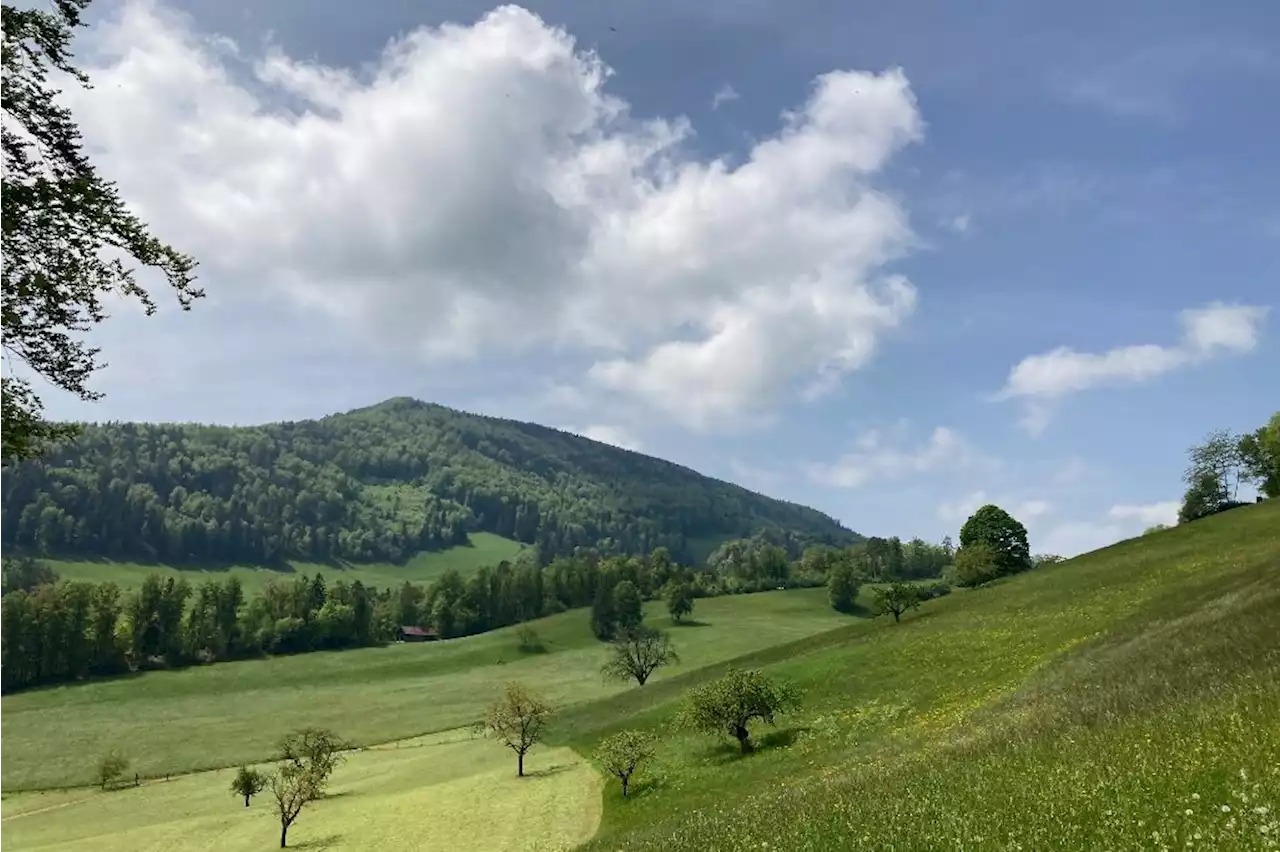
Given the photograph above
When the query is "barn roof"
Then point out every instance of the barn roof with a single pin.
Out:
(416, 631)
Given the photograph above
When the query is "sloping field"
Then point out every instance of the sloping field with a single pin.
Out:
(1126, 699)
(212, 716)
(451, 793)
(484, 549)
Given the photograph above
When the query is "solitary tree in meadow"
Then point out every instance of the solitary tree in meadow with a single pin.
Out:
(622, 753)
(729, 705)
(679, 597)
(895, 600)
(1000, 531)
(518, 720)
(627, 605)
(248, 783)
(110, 768)
(307, 759)
(842, 587)
(638, 653)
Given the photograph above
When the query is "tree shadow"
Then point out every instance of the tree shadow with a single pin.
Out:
(725, 752)
(548, 771)
(690, 622)
(330, 841)
(782, 737)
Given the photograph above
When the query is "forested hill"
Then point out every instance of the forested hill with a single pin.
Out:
(379, 483)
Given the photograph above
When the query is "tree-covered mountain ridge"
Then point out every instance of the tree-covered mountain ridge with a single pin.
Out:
(374, 484)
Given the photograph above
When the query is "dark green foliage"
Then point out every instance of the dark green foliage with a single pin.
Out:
(381, 483)
(842, 588)
(65, 231)
(25, 573)
(1000, 531)
(628, 609)
(729, 705)
(896, 599)
(679, 600)
(529, 642)
(248, 783)
(1206, 496)
(1218, 457)
(638, 653)
(1259, 453)
(110, 769)
(976, 564)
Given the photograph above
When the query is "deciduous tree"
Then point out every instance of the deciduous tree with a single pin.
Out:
(842, 587)
(896, 599)
(679, 598)
(638, 653)
(622, 753)
(1260, 456)
(1006, 537)
(627, 605)
(110, 768)
(1218, 456)
(518, 720)
(976, 564)
(307, 759)
(67, 232)
(729, 705)
(248, 783)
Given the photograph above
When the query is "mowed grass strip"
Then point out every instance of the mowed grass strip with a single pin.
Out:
(484, 549)
(228, 713)
(1087, 705)
(453, 793)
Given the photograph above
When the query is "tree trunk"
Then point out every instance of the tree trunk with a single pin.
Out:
(520, 764)
(625, 779)
(743, 741)
(897, 617)
(284, 834)
(246, 800)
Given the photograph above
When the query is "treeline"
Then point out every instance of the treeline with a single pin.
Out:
(1223, 462)
(378, 484)
(57, 631)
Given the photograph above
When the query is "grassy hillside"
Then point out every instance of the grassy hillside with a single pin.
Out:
(375, 485)
(482, 549)
(1126, 699)
(178, 721)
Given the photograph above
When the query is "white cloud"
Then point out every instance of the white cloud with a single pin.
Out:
(960, 224)
(1214, 330)
(1147, 515)
(1072, 538)
(958, 511)
(606, 434)
(724, 95)
(477, 190)
(874, 460)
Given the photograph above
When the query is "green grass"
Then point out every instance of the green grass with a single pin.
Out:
(453, 793)
(1096, 704)
(1126, 699)
(203, 717)
(484, 549)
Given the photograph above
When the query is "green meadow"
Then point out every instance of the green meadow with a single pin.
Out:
(1125, 699)
(484, 549)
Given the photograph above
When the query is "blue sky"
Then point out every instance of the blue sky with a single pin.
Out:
(888, 260)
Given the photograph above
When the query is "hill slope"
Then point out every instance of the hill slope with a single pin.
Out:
(376, 484)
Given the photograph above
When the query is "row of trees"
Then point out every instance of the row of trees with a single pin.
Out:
(1219, 465)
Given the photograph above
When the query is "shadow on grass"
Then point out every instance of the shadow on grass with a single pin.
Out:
(690, 622)
(548, 771)
(330, 841)
(725, 752)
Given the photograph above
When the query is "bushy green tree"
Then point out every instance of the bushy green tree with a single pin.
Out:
(895, 600)
(1000, 531)
(1206, 496)
(729, 705)
(518, 720)
(26, 573)
(637, 653)
(248, 783)
(976, 564)
(622, 753)
(679, 598)
(1218, 456)
(627, 605)
(1260, 456)
(65, 230)
(842, 588)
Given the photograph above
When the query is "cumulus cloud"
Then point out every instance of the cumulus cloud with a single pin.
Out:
(958, 511)
(476, 190)
(1208, 332)
(876, 459)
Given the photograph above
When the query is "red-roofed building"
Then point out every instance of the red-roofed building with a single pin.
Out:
(415, 634)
